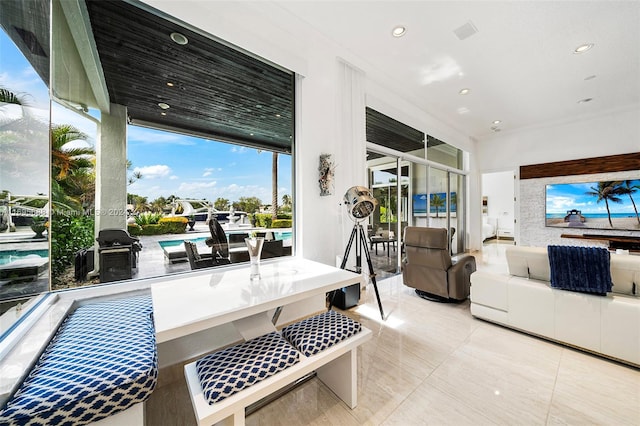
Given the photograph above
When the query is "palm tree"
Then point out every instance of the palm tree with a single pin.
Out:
(8, 97)
(64, 160)
(437, 201)
(628, 189)
(286, 201)
(607, 191)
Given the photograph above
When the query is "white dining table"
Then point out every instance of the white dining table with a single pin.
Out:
(186, 305)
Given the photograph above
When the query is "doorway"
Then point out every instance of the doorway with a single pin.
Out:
(498, 207)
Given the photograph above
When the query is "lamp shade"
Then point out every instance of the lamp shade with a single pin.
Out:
(359, 202)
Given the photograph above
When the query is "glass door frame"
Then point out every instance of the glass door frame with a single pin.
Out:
(403, 159)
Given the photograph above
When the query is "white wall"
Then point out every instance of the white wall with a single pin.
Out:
(272, 33)
(499, 189)
(615, 133)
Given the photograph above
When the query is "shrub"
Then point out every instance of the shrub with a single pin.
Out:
(134, 229)
(148, 218)
(263, 220)
(174, 226)
(177, 219)
(68, 235)
(282, 223)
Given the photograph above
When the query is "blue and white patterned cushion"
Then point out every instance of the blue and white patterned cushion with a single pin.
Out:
(230, 370)
(102, 360)
(317, 333)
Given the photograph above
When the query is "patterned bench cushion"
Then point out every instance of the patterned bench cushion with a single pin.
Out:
(230, 370)
(101, 361)
(317, 333)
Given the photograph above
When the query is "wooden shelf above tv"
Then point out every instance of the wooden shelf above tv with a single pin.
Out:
(615, 241)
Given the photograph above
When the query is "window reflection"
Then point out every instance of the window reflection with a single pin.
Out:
(24, 152)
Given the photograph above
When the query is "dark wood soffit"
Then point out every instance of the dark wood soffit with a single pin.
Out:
(608, 164)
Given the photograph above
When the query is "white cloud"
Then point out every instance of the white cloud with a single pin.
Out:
(196, 186)
(239, 149)
(153, 172)
(173, 177)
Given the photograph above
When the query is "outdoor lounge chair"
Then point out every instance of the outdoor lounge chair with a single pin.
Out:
(195, 260)
(218, 243)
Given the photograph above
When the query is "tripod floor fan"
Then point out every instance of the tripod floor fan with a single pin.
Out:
(360, 204)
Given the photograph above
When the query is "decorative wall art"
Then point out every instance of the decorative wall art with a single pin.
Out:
(326, 170)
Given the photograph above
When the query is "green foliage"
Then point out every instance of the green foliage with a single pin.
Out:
(148, 218)
(68, 235)
(167, 225)
(248, 204)
(281, 223)
(221, 204)
(134, 229)
(263, 220)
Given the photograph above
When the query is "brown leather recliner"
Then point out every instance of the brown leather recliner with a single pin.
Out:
(429, 268)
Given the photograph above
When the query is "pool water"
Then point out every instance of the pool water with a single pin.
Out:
(8, 256)
(173, 243)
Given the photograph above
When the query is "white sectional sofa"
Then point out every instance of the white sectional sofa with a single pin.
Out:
(524, 299)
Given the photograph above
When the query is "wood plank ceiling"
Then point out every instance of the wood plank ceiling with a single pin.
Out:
(212, 90)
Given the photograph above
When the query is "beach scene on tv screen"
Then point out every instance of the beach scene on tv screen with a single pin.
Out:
(594, 205)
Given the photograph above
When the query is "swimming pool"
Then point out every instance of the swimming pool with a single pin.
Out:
(8, 256)
(286, 235)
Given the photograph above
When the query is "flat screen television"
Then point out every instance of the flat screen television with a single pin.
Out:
(437, 206)
(601, 205)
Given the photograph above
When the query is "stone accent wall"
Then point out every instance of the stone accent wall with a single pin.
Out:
(533, 231)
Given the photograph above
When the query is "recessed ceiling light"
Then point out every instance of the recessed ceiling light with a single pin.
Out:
(164, 106)
(583, 48)
(497, 121)
(170, 84)
(163, 113)
(464, 91)
(180, 39)
(585, 100)
(399, 31)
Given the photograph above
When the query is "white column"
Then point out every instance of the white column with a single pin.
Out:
(111, 172)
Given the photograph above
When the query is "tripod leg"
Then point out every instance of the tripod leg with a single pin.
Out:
(344, 262)
(371, 273)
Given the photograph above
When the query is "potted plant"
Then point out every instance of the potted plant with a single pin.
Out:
(38, 226)
(191, 222)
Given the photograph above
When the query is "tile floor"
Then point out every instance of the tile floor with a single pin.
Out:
(432, 363)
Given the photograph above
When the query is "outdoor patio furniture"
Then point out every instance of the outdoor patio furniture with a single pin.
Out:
(195, 260)
(218, 241)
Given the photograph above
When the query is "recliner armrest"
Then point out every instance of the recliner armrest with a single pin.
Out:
(459, 276)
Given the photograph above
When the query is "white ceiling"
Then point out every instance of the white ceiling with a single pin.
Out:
(519, 66)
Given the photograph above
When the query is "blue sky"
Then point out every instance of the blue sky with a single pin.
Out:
(171, 164)
(564, 197)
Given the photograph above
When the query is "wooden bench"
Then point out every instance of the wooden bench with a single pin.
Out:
(335, 366)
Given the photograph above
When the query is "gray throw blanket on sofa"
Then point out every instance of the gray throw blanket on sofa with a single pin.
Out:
(584, 269)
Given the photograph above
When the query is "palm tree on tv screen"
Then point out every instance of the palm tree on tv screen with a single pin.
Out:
(608, 191)
(628, 189)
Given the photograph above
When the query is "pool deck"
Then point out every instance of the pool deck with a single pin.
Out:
(152, 261)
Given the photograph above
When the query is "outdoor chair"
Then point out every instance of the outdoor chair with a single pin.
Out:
(218, 243)
(195, 260)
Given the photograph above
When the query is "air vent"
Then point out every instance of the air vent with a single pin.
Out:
(31, 41)
(465, 31)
